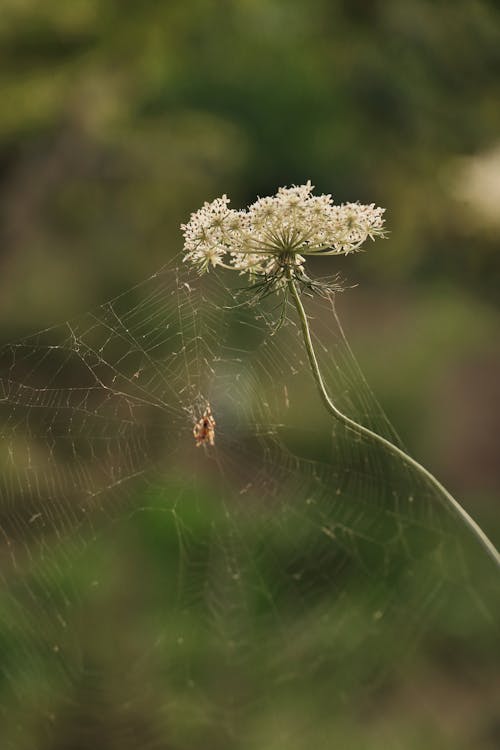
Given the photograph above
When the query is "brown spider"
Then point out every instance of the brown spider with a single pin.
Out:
(204, 429)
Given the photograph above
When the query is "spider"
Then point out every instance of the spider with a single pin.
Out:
(204, 428)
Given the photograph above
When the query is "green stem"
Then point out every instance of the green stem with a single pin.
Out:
(390, 447)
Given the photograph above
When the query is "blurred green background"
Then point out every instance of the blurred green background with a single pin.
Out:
(119, 118)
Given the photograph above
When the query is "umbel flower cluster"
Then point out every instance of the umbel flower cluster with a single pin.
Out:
(273, 236)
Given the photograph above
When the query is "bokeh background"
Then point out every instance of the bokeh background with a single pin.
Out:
(119, 118)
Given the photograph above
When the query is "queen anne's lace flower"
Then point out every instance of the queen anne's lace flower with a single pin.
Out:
(277, 232)
(271, 240)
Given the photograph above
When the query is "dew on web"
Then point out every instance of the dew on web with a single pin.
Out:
(162, 593)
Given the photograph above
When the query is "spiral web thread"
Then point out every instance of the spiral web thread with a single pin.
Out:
(321, 565)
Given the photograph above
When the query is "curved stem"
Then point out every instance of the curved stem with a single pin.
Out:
(390, 447)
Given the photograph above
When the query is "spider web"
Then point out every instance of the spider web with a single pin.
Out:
(296, 566)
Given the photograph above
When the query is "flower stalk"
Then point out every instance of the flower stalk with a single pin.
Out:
(363, 431)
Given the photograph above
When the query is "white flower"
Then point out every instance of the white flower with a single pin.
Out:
(277, 232)
(210, 233)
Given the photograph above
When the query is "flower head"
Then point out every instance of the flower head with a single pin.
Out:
(272, 237)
